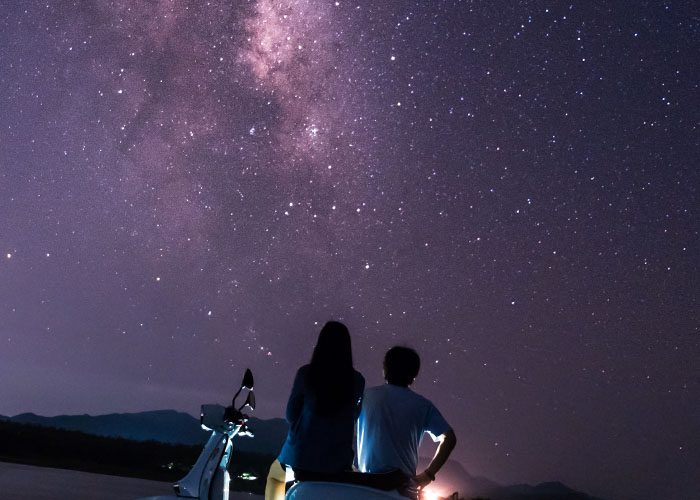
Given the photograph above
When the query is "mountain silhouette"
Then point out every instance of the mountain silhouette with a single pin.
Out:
(544, 491)
(165, 426)
(454, 477)
(173, 427)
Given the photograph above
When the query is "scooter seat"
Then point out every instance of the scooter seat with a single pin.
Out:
(318, 490)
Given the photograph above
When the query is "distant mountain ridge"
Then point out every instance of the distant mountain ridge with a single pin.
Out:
(170, 426)
(165, 426)
(454, 476)
(553, 490)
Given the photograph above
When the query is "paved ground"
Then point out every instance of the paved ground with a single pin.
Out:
(25, 482)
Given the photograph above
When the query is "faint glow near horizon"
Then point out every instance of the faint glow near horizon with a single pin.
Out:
(431, 493)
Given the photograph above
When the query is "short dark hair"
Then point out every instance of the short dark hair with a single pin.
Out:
(401, 365)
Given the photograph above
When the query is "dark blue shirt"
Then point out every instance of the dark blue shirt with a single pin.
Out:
(319, 443)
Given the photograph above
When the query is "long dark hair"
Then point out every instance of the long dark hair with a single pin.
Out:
(331, 376)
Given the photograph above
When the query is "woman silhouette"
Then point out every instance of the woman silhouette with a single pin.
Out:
(322, 408)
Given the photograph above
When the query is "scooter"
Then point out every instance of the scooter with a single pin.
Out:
(209, 478)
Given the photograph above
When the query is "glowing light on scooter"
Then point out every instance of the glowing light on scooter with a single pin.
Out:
(429, 494)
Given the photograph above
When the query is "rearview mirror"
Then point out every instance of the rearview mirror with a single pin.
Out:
(247, 383)
(250, 401)
(248, 380)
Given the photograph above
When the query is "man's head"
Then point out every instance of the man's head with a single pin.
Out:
(401, 366)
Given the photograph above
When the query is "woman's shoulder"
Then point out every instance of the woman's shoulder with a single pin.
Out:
(303, 373)
(303, 370)
(359, 378)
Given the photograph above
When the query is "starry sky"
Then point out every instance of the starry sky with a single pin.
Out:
(189, 188)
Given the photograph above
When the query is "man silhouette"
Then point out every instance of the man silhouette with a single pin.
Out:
(393, 420)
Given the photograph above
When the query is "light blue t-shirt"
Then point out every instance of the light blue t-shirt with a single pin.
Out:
(390, 428)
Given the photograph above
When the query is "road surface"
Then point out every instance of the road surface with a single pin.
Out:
(26, 482)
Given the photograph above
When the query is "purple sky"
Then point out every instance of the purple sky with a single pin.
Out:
(191, 188)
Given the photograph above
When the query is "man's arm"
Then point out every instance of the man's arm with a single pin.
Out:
(447, 442)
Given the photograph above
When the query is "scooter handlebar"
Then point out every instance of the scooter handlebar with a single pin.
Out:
(234, 416)
(245, 431)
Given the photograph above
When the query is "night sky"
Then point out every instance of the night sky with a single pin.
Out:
(190, 188)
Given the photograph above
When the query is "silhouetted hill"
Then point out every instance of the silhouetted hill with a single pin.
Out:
(178, 428)
(70, 449)
(165, 426)
(454, 477)
(543, 491)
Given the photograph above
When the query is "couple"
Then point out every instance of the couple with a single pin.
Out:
(328, 399)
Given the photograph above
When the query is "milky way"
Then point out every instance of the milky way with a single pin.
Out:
(191, 188)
